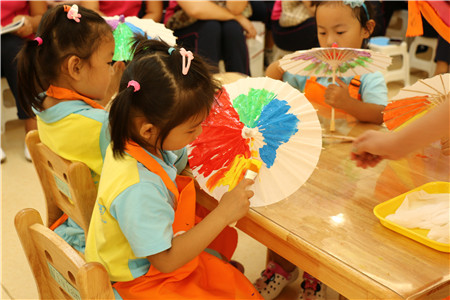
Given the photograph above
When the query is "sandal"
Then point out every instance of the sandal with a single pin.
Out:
(312, 288)
(273, 280)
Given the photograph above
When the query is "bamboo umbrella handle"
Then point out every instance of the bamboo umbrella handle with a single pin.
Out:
(332, 124)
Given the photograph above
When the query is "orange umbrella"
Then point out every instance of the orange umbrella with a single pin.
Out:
(415, 100)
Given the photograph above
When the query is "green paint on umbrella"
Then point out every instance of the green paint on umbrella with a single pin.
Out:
(249, 106)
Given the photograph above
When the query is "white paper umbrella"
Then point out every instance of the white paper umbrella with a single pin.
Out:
(264, 119)
(154, 29)
(415, 100)
(329, 62)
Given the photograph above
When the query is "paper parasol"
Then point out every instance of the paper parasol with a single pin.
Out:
(124, 30)
(329, 62)
(257, 118)
(413, 101)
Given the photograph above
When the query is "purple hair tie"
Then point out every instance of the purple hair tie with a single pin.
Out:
(38, 40)
(189, 56)
(134, 84)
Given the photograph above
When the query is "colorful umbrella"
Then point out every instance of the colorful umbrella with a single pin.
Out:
(413, 101)
(124, 29)
(263, 119)
(329, 62)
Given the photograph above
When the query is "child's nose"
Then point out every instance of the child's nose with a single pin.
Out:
(330, 40)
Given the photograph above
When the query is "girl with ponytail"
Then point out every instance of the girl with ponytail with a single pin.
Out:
(147, 229)
(61, 74)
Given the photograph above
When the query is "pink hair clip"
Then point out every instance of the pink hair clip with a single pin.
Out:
(134, 84)
(189, 56)
(38, 40)
(72, 12)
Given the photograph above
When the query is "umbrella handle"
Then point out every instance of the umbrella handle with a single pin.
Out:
(332, 123)
(250, 174)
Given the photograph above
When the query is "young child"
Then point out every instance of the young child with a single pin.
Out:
(70, 61)
(143, 228)
(349, 24)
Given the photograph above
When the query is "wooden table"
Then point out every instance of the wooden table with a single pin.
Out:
(327, 227)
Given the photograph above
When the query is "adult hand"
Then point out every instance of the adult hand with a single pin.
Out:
(249, 29)
(337, 95)
(373, 146)
(27, 27)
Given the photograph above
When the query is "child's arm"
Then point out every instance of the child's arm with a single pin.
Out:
(338, 97)
(396, 144)
(275, 71)
(185, 247)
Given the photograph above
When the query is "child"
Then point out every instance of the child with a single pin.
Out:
(349, 24)
(143, 228)
(372, 146)
(70, 60)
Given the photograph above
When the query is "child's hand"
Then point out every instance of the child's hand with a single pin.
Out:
(370, 148)
(235, 204)
(337, 95)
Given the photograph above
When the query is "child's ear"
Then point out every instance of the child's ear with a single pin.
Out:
(147, 131)
(74, 65)
(370, 27)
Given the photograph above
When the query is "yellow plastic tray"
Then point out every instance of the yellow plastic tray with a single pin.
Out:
(420, 235)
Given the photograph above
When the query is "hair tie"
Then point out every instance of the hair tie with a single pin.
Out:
(186, 65)
(38, 40)
(134, 84)
(72, 12)
(357, 3)
(171, 49)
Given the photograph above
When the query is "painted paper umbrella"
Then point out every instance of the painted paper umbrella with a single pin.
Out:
(413, 101)
(124, 30)
(329, 62)
(257, 119)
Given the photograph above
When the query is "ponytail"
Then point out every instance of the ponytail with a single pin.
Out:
(30, 81)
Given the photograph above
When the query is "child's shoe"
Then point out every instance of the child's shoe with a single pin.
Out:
(273, 280)
(312, 288)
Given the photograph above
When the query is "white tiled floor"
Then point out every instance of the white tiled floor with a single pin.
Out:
(21, 189)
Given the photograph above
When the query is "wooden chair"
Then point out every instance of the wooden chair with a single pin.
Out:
(59, 271)
(68, 186)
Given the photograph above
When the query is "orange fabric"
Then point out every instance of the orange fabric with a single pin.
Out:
(206, 276)
(315, 92)
(415, 26)
(58, 222)
(66, 94)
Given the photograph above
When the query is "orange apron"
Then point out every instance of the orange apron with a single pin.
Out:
(206, 276)
(315, 92)
(66, 94)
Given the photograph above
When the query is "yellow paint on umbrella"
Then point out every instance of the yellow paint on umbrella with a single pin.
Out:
(230, 175)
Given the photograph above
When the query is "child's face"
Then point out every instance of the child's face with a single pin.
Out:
(336, 23)
(97, 73)
(184, 134)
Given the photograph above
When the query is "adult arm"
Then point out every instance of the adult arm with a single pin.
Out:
(37, 9)
(92, 5)
(153, 10)
(396, 144)
(207, 10)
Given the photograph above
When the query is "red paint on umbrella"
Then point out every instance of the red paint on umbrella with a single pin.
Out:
(217, 146)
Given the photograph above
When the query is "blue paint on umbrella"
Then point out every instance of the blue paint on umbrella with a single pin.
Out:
(277, 126)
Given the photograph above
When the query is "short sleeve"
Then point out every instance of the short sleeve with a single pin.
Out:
(373, 89)
(296, 81)
(145, 217)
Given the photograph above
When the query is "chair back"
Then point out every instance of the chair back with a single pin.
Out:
(68, 186)
(59, 271)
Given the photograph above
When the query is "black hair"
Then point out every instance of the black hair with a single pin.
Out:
(358, 11)
(166, 98)
(39, 65)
